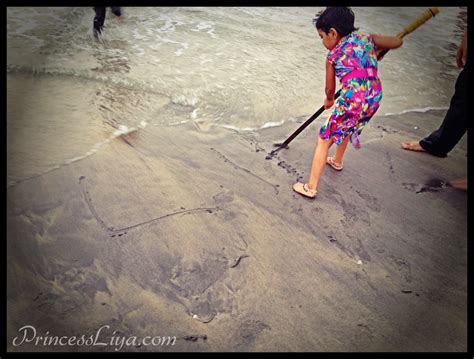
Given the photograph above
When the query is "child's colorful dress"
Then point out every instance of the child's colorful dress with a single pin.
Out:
(355, 64)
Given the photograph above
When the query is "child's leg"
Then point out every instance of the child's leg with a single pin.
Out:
(340, 150)
(319, 162)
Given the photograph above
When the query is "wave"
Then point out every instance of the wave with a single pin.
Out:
(291, 119)
(248, 129)
(89, 75)
(187, 99)
(421, 110)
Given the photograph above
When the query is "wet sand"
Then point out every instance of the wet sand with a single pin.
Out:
(173, 231)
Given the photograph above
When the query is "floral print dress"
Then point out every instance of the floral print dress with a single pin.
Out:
(360, 96)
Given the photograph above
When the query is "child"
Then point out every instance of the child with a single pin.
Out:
(352, 58)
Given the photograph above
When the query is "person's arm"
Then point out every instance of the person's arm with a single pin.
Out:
(461, 55)
(330, 88)
(386, 42)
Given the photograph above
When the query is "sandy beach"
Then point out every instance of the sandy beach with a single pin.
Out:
(173, 231)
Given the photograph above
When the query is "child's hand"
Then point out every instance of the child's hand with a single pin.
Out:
(328, 103)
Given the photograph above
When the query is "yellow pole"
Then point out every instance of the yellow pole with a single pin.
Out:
(428, 14)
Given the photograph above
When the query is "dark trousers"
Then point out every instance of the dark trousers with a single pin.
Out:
(99, 18)
(454, 125)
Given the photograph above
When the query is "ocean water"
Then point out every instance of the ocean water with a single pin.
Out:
(244, 68)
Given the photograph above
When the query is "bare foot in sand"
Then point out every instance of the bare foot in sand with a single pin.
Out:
(412, 146)
(459, 184)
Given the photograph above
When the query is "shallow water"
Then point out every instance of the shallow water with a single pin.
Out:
(241, 68)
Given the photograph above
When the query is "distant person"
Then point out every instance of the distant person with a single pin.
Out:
(440, 142)
(352, 58)
(99, 18)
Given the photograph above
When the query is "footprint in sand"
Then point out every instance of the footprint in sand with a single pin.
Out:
(370, 200)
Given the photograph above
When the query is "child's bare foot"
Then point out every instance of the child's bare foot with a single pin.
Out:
(459, 184)
(302, 188)
(337, 166)
(412, 146)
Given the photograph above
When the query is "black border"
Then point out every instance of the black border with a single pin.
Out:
(405, 3)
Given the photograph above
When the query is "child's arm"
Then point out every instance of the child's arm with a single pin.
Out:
(330, 85)
(386, 42)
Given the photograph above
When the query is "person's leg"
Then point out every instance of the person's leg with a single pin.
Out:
(116, 10)
(317, 168)
(319, 162)
(454, 125)
(340, 150)
(99, 20)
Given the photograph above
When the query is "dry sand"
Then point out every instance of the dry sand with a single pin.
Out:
(171, 231)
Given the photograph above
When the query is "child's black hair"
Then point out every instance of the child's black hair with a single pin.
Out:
(338, 17)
